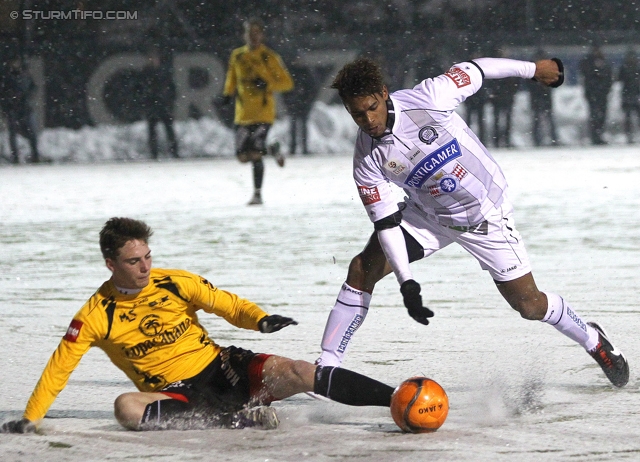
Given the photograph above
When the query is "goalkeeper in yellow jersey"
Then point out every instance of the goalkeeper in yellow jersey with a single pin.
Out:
(146, 321)
(255, 72)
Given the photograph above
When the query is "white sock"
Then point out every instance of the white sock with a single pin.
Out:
(561, 316)
(346, 316)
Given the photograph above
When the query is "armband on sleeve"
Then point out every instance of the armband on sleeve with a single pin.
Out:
(388, 222)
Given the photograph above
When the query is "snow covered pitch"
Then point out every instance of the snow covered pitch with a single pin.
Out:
(518, 390)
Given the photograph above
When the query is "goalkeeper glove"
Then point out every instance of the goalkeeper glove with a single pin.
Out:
(410, 291)
(18, 426)
(274, 323)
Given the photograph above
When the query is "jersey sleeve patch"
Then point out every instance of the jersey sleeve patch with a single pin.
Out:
(369, 195)
(458, 76)
(73, 331)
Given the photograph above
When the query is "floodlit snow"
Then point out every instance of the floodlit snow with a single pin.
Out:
(518, 389)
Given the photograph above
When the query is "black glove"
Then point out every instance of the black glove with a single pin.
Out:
(259, 83)
(560, 80)
(410, 291)
(18, 426)
(274, 323)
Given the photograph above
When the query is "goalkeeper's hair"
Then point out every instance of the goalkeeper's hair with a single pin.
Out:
(361, 77)
(118, 231)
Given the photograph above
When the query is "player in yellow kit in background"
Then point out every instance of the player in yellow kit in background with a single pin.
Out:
(146, 322)
(255, 72)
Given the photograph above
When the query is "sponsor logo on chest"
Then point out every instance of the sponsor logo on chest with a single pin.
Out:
(395, 167)
(153, 328)
(430, 164)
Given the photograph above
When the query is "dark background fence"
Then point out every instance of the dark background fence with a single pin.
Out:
(412, 38)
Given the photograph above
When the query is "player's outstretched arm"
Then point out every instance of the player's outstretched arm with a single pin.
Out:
(410, 290)
(18, 426)
(274, 323)
(549, 72)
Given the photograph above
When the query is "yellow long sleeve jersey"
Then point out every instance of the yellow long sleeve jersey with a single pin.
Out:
(255, 105)
(153, 336)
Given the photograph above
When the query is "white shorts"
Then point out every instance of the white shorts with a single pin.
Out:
(495, 243)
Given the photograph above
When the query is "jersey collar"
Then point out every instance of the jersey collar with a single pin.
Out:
(391, 119)
(124, 291)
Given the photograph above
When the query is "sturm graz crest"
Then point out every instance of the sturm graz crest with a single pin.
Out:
(428, 134)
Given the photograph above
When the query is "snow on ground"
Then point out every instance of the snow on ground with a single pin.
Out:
(518, 389)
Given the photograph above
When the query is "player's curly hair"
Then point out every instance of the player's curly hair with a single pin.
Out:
(117, 231)
(361, 77)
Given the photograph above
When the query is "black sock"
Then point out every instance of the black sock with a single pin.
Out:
(348, 387)
(161, 411)
(172, 414)
(258, 173)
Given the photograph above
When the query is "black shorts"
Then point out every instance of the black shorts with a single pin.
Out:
(232, 380)
(252, 138)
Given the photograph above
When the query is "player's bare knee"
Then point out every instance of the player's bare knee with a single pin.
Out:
(124, 409)
(530, 309)
(356, 274)
(364, 272)
(120, 404)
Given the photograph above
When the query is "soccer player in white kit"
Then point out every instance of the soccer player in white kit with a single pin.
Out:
(412, 142)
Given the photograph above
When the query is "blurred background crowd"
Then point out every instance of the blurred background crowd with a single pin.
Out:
(65, 65)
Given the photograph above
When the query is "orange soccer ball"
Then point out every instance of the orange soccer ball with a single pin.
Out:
(419, 405)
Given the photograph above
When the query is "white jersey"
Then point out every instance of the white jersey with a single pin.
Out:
(431, 153)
